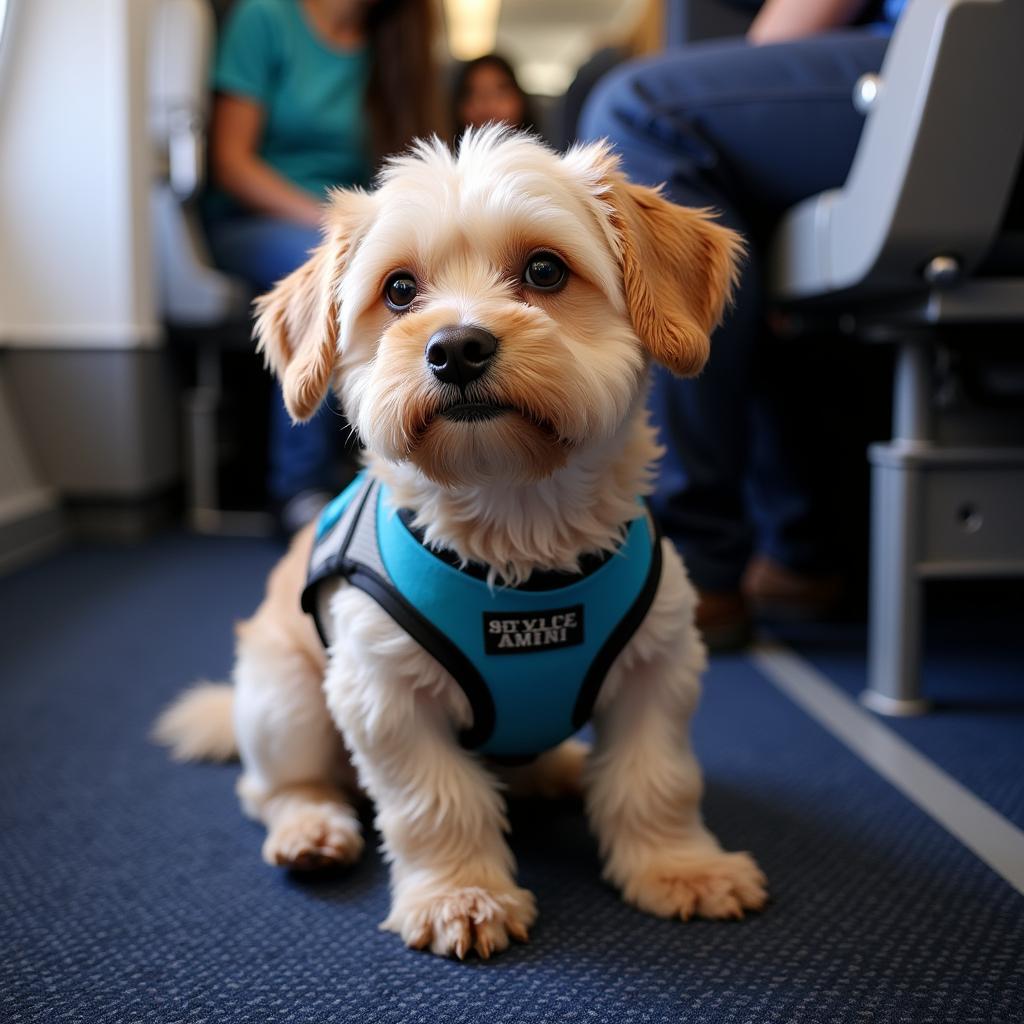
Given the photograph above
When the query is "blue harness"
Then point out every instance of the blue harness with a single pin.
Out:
(530, 659)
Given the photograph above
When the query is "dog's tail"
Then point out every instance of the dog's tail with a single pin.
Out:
(199, 725)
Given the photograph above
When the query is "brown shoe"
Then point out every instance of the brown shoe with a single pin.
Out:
(724, 620)
(778, 592)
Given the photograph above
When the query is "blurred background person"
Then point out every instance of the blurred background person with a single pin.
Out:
(309, 94)
(486, 90)
(749, 128)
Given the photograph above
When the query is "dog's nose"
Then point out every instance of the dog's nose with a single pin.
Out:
(458, 355)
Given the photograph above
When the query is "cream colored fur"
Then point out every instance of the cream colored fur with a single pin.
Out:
(552, 479)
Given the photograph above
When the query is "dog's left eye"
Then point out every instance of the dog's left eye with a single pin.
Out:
(545, 272)
(400, 290)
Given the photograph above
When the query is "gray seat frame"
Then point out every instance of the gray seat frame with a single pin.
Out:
(203, 309)
(896, 251)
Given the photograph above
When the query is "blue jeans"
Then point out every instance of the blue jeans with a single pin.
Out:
(749, 131)
(262, 250)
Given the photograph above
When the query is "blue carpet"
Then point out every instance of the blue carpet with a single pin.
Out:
(973, 672)
(132, 890)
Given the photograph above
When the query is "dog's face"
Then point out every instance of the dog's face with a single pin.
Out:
(485, 315)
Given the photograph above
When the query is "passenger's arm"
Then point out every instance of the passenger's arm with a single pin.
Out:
(781, 21)
(240, 171)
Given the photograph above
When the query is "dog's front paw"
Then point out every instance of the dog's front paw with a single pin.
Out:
(711, 884)
(312, 837)
(453, 920)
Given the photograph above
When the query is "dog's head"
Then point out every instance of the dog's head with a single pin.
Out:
(484, 315)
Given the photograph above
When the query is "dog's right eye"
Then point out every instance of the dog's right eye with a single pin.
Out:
(399, 291)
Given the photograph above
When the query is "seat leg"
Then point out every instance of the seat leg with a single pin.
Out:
(202, 404)
(897, 521)
(896, 592)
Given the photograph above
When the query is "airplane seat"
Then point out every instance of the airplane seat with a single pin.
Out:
(193, 293)
(207, 312)
(922, 248)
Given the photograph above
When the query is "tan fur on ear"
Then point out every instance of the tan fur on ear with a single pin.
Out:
(678, 269)
(297, 321)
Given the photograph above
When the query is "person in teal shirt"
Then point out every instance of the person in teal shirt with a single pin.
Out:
(309, 94)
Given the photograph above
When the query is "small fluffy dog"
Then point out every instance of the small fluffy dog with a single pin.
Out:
(488, 319)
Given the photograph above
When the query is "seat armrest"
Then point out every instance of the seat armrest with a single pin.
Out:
(193, 293)
(934, 167)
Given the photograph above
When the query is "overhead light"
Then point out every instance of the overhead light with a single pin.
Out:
(472, 27)
(545, 77)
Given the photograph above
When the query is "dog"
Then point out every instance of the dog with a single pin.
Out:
(487, 319)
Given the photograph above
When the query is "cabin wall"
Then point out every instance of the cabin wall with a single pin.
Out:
(89, 389)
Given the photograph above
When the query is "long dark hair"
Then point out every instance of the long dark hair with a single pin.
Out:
(402, 98)
(464, 74)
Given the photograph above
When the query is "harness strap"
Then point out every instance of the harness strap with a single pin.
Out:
(358, 560)
(328, 557)
(621, 635)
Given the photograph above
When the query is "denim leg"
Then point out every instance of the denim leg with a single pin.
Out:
(262, 250)
(748, 131)
(302, 455)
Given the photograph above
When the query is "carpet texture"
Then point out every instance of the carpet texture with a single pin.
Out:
(973, 673)
(131, 889)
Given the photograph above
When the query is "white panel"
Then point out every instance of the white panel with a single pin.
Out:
(75, 260)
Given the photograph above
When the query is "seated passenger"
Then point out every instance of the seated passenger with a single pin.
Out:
(309, 94)
(748, 127)
(486, 90)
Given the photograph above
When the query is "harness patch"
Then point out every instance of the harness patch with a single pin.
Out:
(540, 631)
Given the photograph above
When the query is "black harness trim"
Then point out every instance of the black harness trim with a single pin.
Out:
(335, 566)
(620, 636)
(437, 645)
(424, 632)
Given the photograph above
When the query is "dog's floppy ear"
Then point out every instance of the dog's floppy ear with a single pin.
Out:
(297, 321)
(678, 266)
(678, 270)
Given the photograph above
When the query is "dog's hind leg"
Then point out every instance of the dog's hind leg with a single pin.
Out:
(296, 772)
(297, 776)
(556, 774)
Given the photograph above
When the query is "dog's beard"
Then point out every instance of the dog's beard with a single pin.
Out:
(507, 447)
(486, 435)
